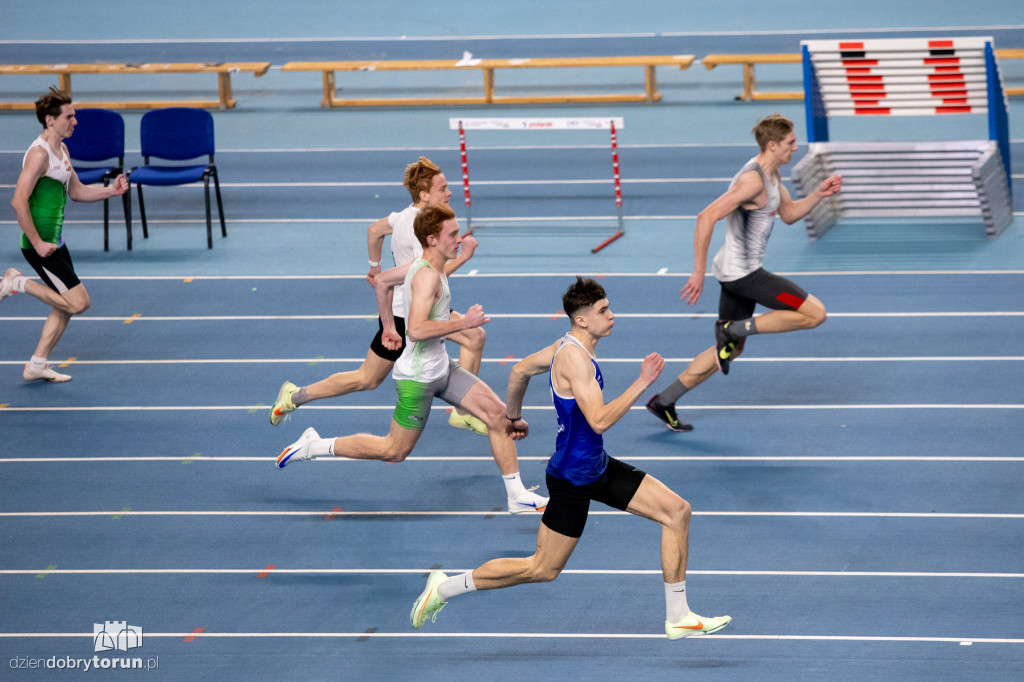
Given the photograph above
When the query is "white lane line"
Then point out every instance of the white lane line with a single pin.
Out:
(502, 361)
(476, 183)
(481, 222)
(391, 408)
(455, 148)
(531, 458)
(601, 512)
(663, 272)
(399, 571)
(528, 635)
(513, 36)
(535, 316)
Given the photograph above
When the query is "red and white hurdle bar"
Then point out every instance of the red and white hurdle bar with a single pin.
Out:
(908, 77)
(612, 124)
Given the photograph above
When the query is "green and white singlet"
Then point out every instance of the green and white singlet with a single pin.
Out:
(426, 360)
(46, 203)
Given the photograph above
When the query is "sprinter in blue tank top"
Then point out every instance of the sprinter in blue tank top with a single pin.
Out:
(581, 471)
(755, 196)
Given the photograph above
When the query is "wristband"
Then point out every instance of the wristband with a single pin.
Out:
(374, 264)
(512, 419)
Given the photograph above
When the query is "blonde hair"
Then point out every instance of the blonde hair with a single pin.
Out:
(418, 177)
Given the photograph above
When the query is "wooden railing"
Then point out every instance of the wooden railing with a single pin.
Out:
(488, 67)
(65, 71)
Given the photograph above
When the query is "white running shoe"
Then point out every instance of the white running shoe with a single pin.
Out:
(7, 283)
(693, 625)
(527, 501)
(299, 450)
(47, 373)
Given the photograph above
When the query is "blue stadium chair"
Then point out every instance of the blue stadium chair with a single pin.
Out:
(178, 134)
(99, 136)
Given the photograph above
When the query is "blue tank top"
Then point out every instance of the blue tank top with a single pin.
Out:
(579, 451)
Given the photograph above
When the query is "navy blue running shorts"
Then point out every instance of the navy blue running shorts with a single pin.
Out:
(568, 504)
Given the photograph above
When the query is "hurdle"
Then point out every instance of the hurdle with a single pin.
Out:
(612, 124)
(906, 77)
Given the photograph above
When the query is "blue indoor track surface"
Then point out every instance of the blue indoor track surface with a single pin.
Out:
(856, 488)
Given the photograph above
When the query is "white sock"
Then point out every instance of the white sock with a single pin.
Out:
(456, 585)
(513, 485)
(19, 283)
(37, 362)
(322, 446)
(675, 602)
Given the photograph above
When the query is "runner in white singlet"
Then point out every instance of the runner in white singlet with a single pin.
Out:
(424, 371)
(427, 186)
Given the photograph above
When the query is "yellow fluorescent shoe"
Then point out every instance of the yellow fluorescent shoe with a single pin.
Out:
(467, 421)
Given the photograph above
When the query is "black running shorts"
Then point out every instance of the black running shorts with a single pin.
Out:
(568, 504)
(772, 291)
(56, 270)
(377, 346)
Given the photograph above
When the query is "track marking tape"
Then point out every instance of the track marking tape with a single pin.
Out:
(267, 570)
(188, 280)
(315, 361)
(45, 573)
(191, 458)
(192, 637)
(505, 361)
(368, 631)
(494, 509)
(133, 318)
(435, 567)
(117, 517)
(331, 516)
(256, 408)
(68, 361)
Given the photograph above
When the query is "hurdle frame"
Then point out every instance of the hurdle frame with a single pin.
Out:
(907, 77)
(611, 123)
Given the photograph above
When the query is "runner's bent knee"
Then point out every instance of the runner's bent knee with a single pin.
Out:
(544, 574)
(814, 311)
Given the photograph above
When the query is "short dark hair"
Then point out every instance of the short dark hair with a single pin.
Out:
(582, 293)
(428, 222)
(50, 104)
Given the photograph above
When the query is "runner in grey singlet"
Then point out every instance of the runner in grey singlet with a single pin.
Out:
(747, 232)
